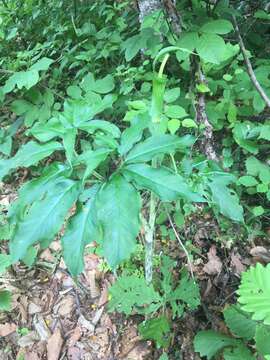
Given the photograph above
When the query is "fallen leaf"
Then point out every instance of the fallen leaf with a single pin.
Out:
(54, 346)
(74, 353)
(261, 253)
(237, 264)
(75, 336)
(41, 328)
(214, 265)
(28, 339)
(65, 306)
(86, 324)
(90, 276)
(7, 329)
(34, 308)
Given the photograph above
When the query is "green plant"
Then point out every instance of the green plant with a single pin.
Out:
(132, 295)
(248, 321)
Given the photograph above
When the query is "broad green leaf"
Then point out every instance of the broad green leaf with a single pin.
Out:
(166, 184)
(5, 300)
(30, 257)
(92, 159)
(157, 329)
(242, 135)
(118, 205)
(254, 292)
(171, 95)
(81, 230)
(133, 134)
(224, 198)
(74, 91)
(42, 64)
(28, 155)
(239, 322)
(44, 218)
(131, 293)
(101, 86)
(175, 111)
(35, 189)
(208, 343)
(21, 79)
(258, 210)
(133, 45)
(207, 48)
(258, 168)
(173, 125)
(265, 132)
(164, 356)
(247, 181)
(158, 145)
(5, 262)
(189, 123)
(262, 337)
(93, 125)
(69, 140)
(217, 27)
(240, 352)
(48, 131)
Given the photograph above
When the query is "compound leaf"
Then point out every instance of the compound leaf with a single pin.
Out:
(158, 145)
(28, 155)
(118, 206)
(131, 293)
(156, 329)
(166, 184)
(44, 218)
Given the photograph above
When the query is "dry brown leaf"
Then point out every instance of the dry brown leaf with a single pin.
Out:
(214, 265)
(261, 253)
(34, 308)
(90, 276)
(7, 329)
(41, 328)
(74, 353)
(65, 306)
(75, 336)
(237, 264)
(54, 346)
(28, 339)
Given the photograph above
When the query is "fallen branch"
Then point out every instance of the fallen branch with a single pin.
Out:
(249, 66)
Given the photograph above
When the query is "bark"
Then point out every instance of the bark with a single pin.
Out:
(146, 7)
(173, 16)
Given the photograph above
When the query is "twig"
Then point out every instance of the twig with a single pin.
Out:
(181, 243)
(249, 66)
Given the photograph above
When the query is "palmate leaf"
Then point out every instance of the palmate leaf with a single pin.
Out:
(94, 125)
(81, 230)
(166, 184)
(28, 155)
(44, 218)
(254, 292)
(158, 145)
(118, 205)
(34, 190)
(131, 293)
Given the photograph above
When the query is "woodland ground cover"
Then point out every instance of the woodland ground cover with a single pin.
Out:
(135, 179)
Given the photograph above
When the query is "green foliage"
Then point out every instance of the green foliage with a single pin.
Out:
(252, 299)
(254, 293)
(156, 329)
(5, 300)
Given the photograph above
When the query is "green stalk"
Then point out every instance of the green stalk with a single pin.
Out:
(159, 84)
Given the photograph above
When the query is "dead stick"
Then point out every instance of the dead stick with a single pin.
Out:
(249, 66)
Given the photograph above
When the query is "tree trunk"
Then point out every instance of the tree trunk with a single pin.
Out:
(146, 7)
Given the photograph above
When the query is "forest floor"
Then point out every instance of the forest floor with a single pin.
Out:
(55, 318)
